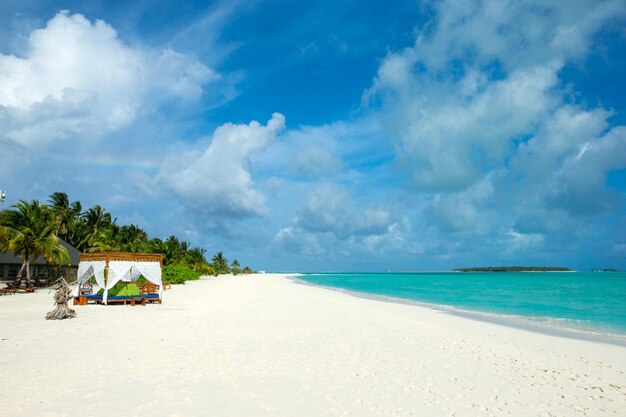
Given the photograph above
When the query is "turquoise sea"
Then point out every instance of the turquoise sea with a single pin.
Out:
(585, 302)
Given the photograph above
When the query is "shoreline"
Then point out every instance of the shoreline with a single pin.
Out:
(268, 346)
(538, 325)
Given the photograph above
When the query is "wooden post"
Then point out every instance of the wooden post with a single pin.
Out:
(106, 275)
(161, 266)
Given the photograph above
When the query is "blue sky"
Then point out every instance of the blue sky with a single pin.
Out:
(329, 135)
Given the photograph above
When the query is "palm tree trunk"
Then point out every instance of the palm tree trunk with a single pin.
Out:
(28, 273)
(18, 279)
(19, 274)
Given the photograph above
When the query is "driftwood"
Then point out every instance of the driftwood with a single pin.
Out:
(62, 296)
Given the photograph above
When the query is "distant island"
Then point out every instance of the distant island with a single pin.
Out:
(606, 270)
(515, 269)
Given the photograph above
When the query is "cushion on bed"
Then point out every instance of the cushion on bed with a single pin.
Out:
(122, 292)
(133, 290)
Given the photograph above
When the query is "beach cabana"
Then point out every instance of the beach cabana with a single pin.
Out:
(109, 268)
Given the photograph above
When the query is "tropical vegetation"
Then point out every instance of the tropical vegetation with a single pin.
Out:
(515, 269)
(31, 229)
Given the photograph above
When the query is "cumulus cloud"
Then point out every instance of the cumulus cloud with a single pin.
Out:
(580, 182)
(316, 161)
(513, 33)
(218, 180)
(329, 208)
(479, 118)
(465, 210)
(331, 222)
(296, 241)
(448, 140)
(77, 77)
(484, 75)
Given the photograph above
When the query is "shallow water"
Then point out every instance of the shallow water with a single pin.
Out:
(581, 301)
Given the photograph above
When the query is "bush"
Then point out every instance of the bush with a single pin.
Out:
(178, 274)
(205, 269)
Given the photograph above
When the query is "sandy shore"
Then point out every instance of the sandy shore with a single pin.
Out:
(266, 346)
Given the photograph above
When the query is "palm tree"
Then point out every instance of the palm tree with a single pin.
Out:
(195, 256)
(154, 245)
(66, 215)
(174, 250)
(29, 231)
(132, 238)
(5, 239)
(94, 221)
(105, 241)
(220, 263)
(235, 267)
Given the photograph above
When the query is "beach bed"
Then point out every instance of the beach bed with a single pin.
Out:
(125, 300)
(13, 290)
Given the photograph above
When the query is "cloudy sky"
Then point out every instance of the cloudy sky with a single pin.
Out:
(329, 135)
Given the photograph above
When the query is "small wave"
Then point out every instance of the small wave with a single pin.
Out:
(556, 326)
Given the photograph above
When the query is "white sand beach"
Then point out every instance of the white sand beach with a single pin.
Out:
(266, 346)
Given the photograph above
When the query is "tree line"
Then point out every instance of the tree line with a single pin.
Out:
(515, 269)
(31, 229)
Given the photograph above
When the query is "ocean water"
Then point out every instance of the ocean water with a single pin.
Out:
(593, 302)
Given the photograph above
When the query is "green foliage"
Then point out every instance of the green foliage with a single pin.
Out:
(92, 224)
(220, 263)
(205, 269)
(29, 231)
(178, 274)
(67, 216)
(247, 270)
(95, 230)
(131, 238)
(105, 241)
(195, 256)
(235, 268)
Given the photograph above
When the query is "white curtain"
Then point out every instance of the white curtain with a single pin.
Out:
(88, 269)
(131, 271)
(118, 270)
(152, 272)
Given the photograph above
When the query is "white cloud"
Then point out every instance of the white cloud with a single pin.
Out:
(329, 208)
(326, 209)
(580, 181)
(465, 211)
(514, 33)
(330, 150)
(218, 180)
(560, 136)
(295, 240)
(478, 114)
(447, 140)
(331, 213)
(331, 222)
(78, 77)
(316, 161)
(483, 76)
